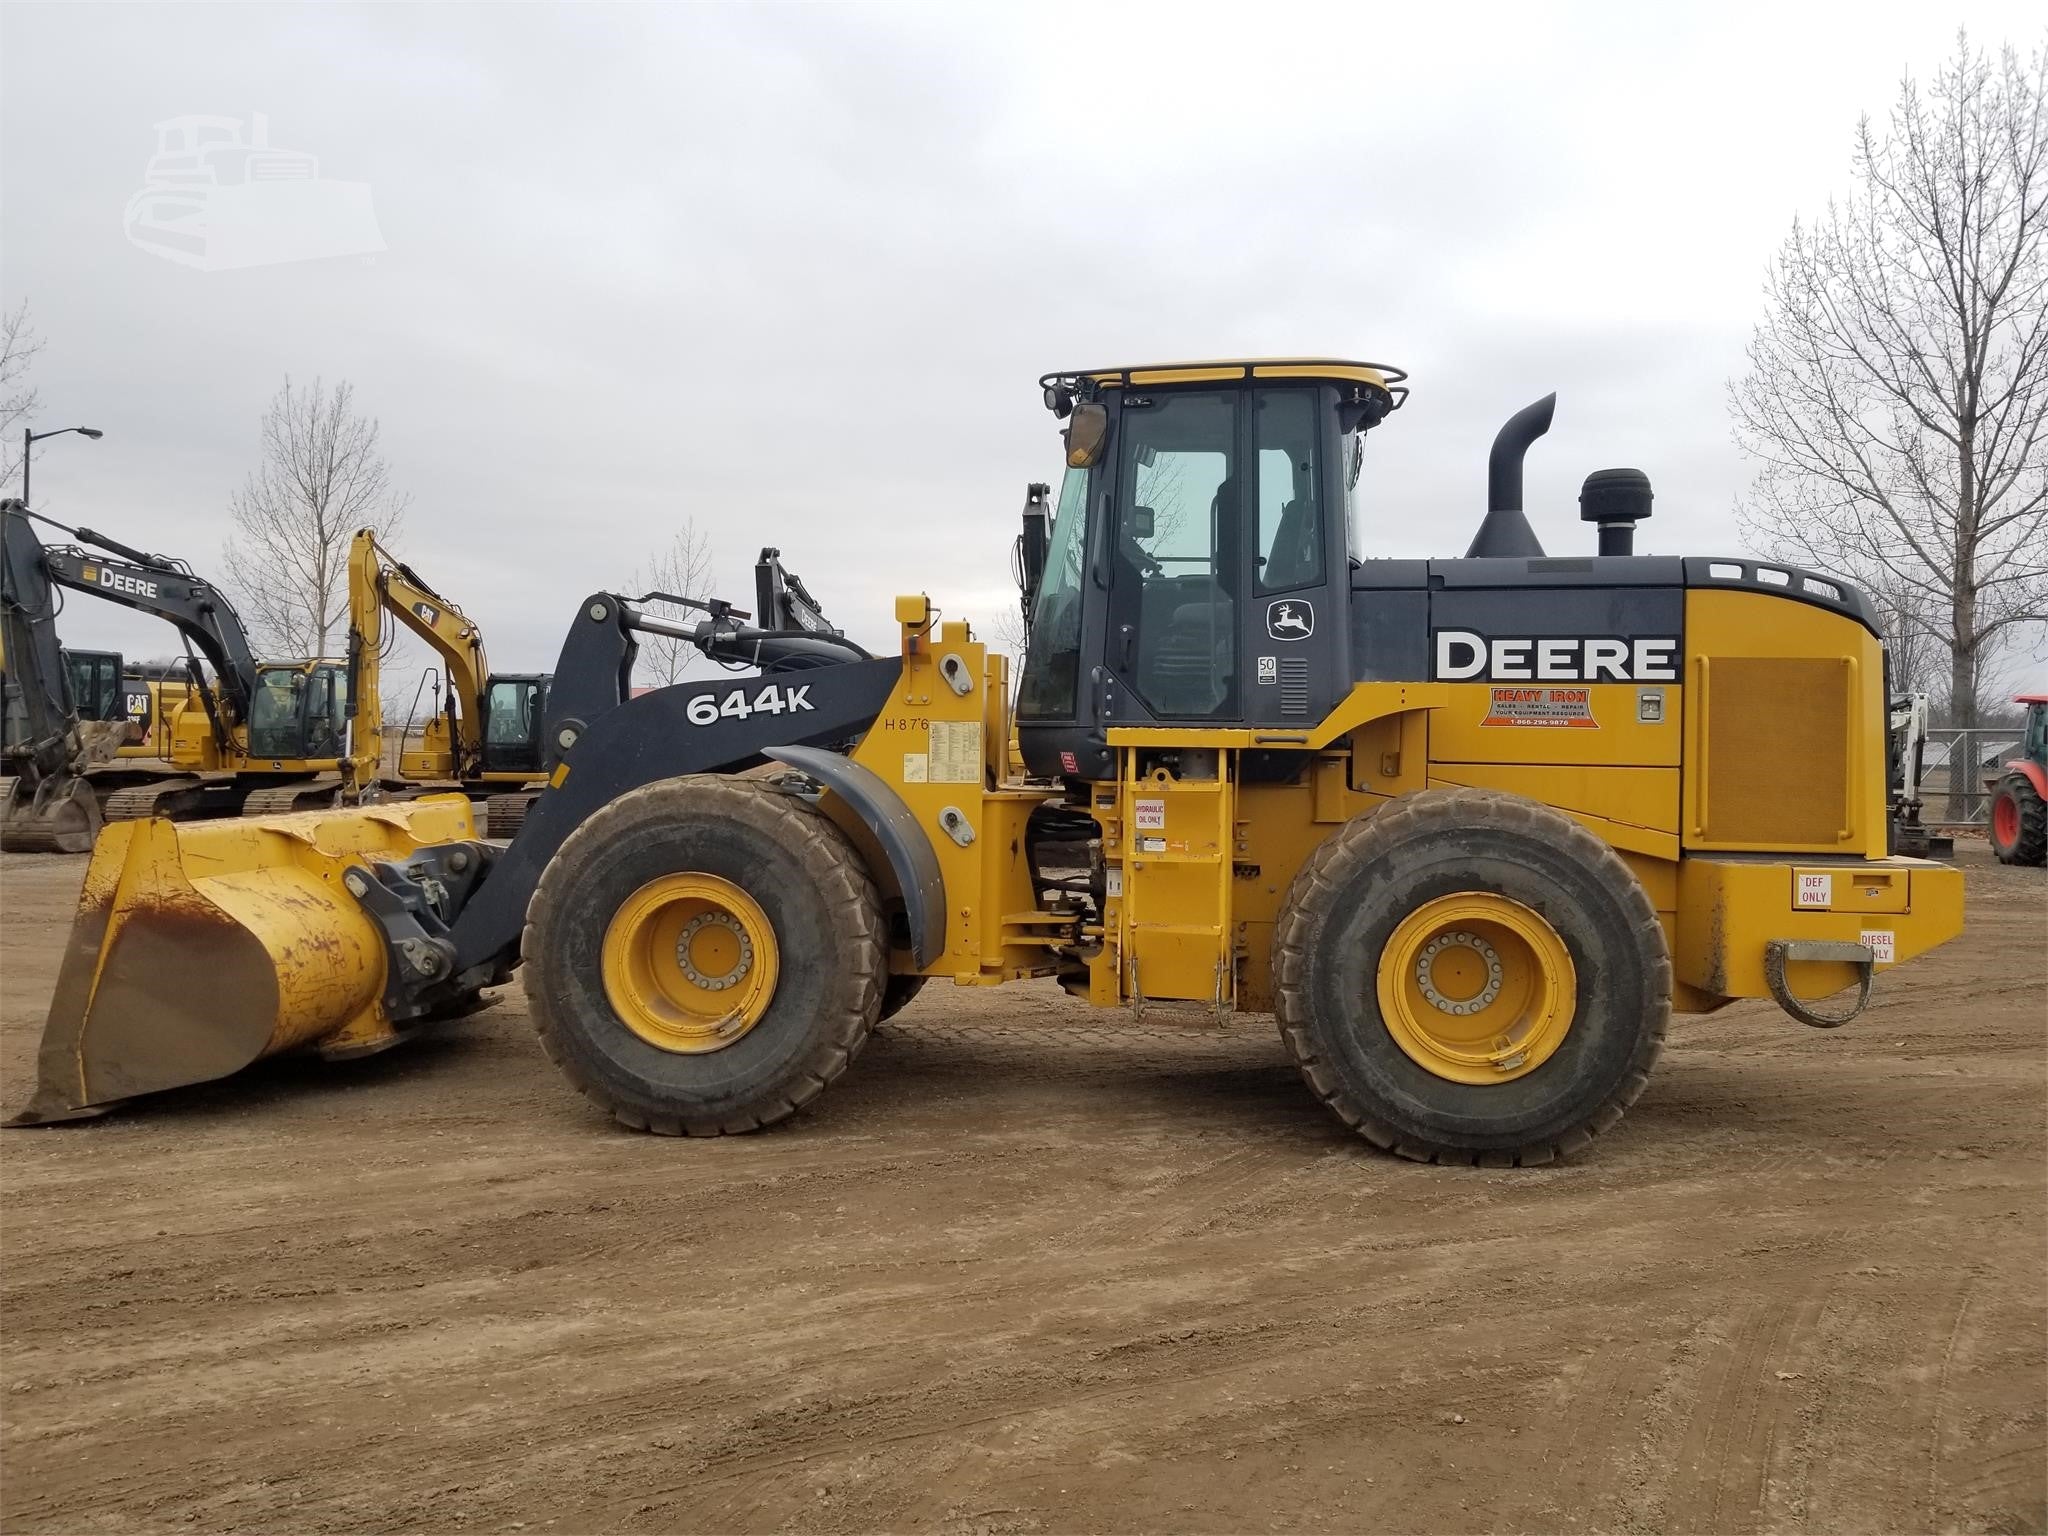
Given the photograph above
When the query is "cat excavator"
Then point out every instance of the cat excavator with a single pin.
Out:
(485, 738)
(1471, 830)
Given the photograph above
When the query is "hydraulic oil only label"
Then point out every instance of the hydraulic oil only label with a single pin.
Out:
(1571, 707)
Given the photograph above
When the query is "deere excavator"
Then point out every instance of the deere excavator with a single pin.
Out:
(1472, 830)
(252, 737)
(62, 713)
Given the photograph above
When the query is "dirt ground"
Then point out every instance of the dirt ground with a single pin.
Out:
(1028, 1268)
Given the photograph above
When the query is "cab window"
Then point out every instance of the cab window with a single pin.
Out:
(1290, 515)
(1174, 582)
(275, 711)
(511, 718)
(1052, 661)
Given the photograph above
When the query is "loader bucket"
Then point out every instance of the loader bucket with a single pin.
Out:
(202, 947)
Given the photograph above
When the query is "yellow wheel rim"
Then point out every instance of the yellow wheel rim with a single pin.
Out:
(689, 962)
(1476, 988)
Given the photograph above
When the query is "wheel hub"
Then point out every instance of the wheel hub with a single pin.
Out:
(1476, 988)
(727, 936)
(1462, 1000)
(690, 962)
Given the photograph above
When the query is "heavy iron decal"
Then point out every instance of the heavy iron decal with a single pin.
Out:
(1541, 707)
(1462, 656)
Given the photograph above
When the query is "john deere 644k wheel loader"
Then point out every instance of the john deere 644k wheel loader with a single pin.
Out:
(1470, 829)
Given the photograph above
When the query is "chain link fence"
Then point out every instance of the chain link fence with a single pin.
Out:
(1952, 785)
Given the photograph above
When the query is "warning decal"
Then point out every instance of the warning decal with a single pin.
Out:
(1541, 706)
(955, 752)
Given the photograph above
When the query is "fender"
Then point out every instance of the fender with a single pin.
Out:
(2029, 770)
(882, 812)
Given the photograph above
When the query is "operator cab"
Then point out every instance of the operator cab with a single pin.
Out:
(299, 711)
(1197, 570)
(95, 679)
(515, 710)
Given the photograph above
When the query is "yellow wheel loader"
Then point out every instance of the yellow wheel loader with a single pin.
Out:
(1471, 830)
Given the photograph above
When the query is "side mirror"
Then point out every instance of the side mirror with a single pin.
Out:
(1086, 431)
(1033, 543)
(1141, 522)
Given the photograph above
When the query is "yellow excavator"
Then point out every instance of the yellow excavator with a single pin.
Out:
(485, 738)
(1471, 830)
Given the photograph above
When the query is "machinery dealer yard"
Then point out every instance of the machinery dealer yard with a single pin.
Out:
(1031, 1267)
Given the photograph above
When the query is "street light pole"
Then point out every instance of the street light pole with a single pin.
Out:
(30, 439)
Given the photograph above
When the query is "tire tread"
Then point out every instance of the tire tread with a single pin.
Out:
(1344, 853)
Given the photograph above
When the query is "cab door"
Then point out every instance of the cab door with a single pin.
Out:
(1175, 556)
(514, 710)
(1296, 613)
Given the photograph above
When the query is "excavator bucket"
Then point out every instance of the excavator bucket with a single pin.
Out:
(202, 947)
(58, 815)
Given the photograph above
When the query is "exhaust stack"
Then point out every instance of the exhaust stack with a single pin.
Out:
(1506, 532)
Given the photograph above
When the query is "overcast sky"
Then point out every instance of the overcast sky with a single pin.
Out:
(792, 272)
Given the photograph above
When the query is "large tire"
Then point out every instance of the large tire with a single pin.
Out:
(899, 993)
(2019, 821)
(830, 950)
(1348, 905)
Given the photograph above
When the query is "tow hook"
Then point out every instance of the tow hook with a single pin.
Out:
(1779, 953)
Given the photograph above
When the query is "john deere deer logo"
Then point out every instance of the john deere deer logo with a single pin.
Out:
(1290, 619)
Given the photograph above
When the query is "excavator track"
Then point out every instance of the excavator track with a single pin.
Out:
(319, 794)
(504, 814)
(158, 797)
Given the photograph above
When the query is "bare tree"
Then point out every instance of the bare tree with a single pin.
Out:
(1915, 653)
(321, 479)
(18, 346)
(681, 568)
(1898, 386)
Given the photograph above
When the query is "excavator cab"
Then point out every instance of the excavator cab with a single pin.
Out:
(96, 690)
(515, 708)
(299, 712)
